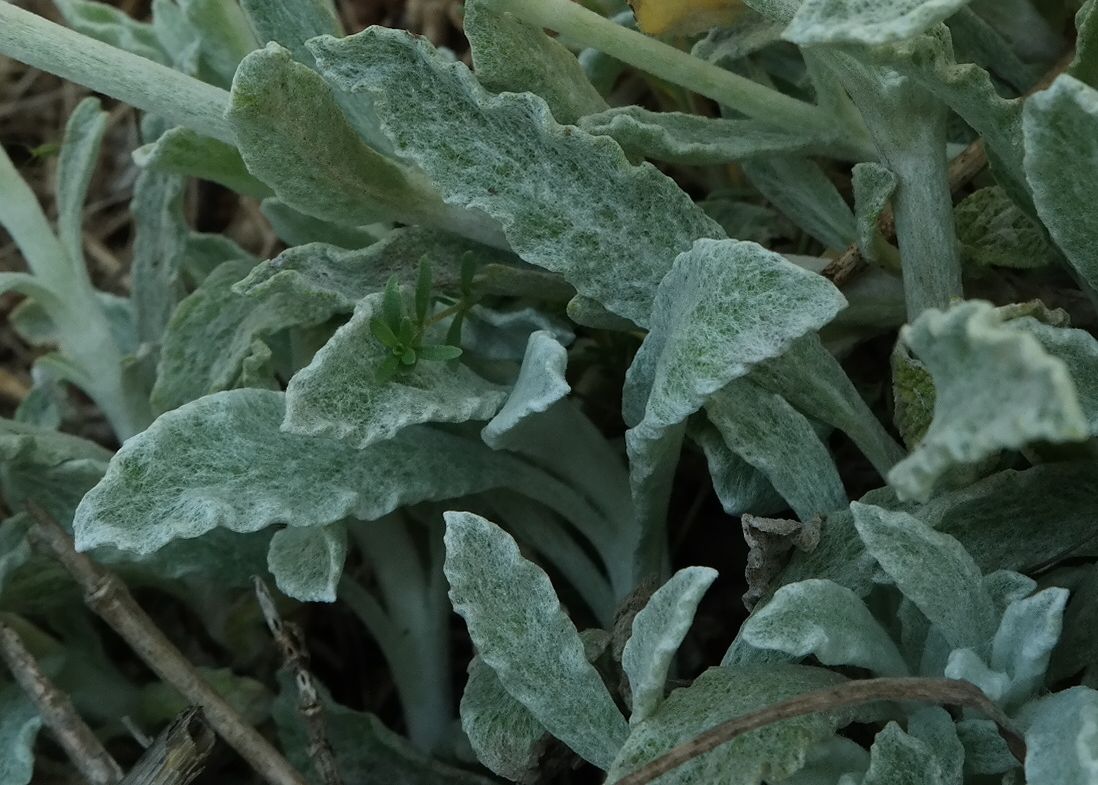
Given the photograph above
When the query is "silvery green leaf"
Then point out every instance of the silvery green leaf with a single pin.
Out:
(588, 214)
(221, 461)
(1024, 26)
(1060, 125)
(996, 389)
(1061, 738)
(994, 232)
(1027, 634)
(503, 334)
(112, 26)
(15, 549)
(977, 41)
(809, 377)
(985, 750)
(276, 102)
(79, 154)
(341, 395)
(159, 251)
(740, 487)
(723, 46)
(511, 56)
(34, 325)
(540, 385)
(897, 758)
(806, 196)
(212, 331)
(307, 563)
(523, 634)
(764, 430)
(874, 186)
(223, 34)
(934, 726)
(719, 694)
(967, 665)
(366, 752)
(1085, 65)
(859, 22)
(829, 761)
(349, 275)
(933, 570)
(658, 630)
(184, 152)
(295, 228)
(829, 621)
(291, 23)
(725, 306)
(694, 140)
(504, 735)
(19, 726)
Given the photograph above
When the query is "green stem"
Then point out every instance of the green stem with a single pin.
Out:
(668, 63)
(134, 80)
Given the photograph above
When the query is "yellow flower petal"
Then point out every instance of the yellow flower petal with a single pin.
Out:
(684, 17)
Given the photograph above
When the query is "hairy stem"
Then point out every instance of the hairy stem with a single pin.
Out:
(135, 80)
(948, 692)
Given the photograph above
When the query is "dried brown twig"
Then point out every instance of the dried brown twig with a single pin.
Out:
(962, 170)
(177, 755)
(109, 598)
(948, 692)
(57, 712)
(290, 642)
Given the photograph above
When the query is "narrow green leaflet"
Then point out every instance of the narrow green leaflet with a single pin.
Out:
(994, 232)
(221, 461)
(1061, 129)
(19, 726)
(874, 186)
(658, 631)
(771, 753)
(995, 388)
(307, 563)
(765, 431)
(159, 251)
(79, 155)
(1061, 739)
(512, 56)
(504, 735)
(340, 394)
(211, 333)
(523, 634)
(367, 752)
(804, 194)
(897, 758)
(866, 21)
(277, 103)
(695, 140)
(826, 620)
(610, 228)
(933, 570)
(184, 152)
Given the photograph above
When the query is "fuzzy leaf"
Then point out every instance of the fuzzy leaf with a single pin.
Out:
(658, 631)
(307, 563)
(862, 22)
(184, 152)
(112, 26)
(804, 194)
(740, 487)
(934, 726)
(719, 694)
(694, 140)
(540, 385)
(523, 634)
(221, 461)
(933, 570)
(504, 735)
(829, 621)
(1078, 350)
(295, 228)
(1027, 634)
(897, 758)
(768, 433)
(995, 389)
(159, 251)
(79, 155)
(1061, 739)
(994, 232)
(512, 56)
(339, 395)
(587, 213)
(1061, 124)
(291, 23)
(874, 186)
(19, 726)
